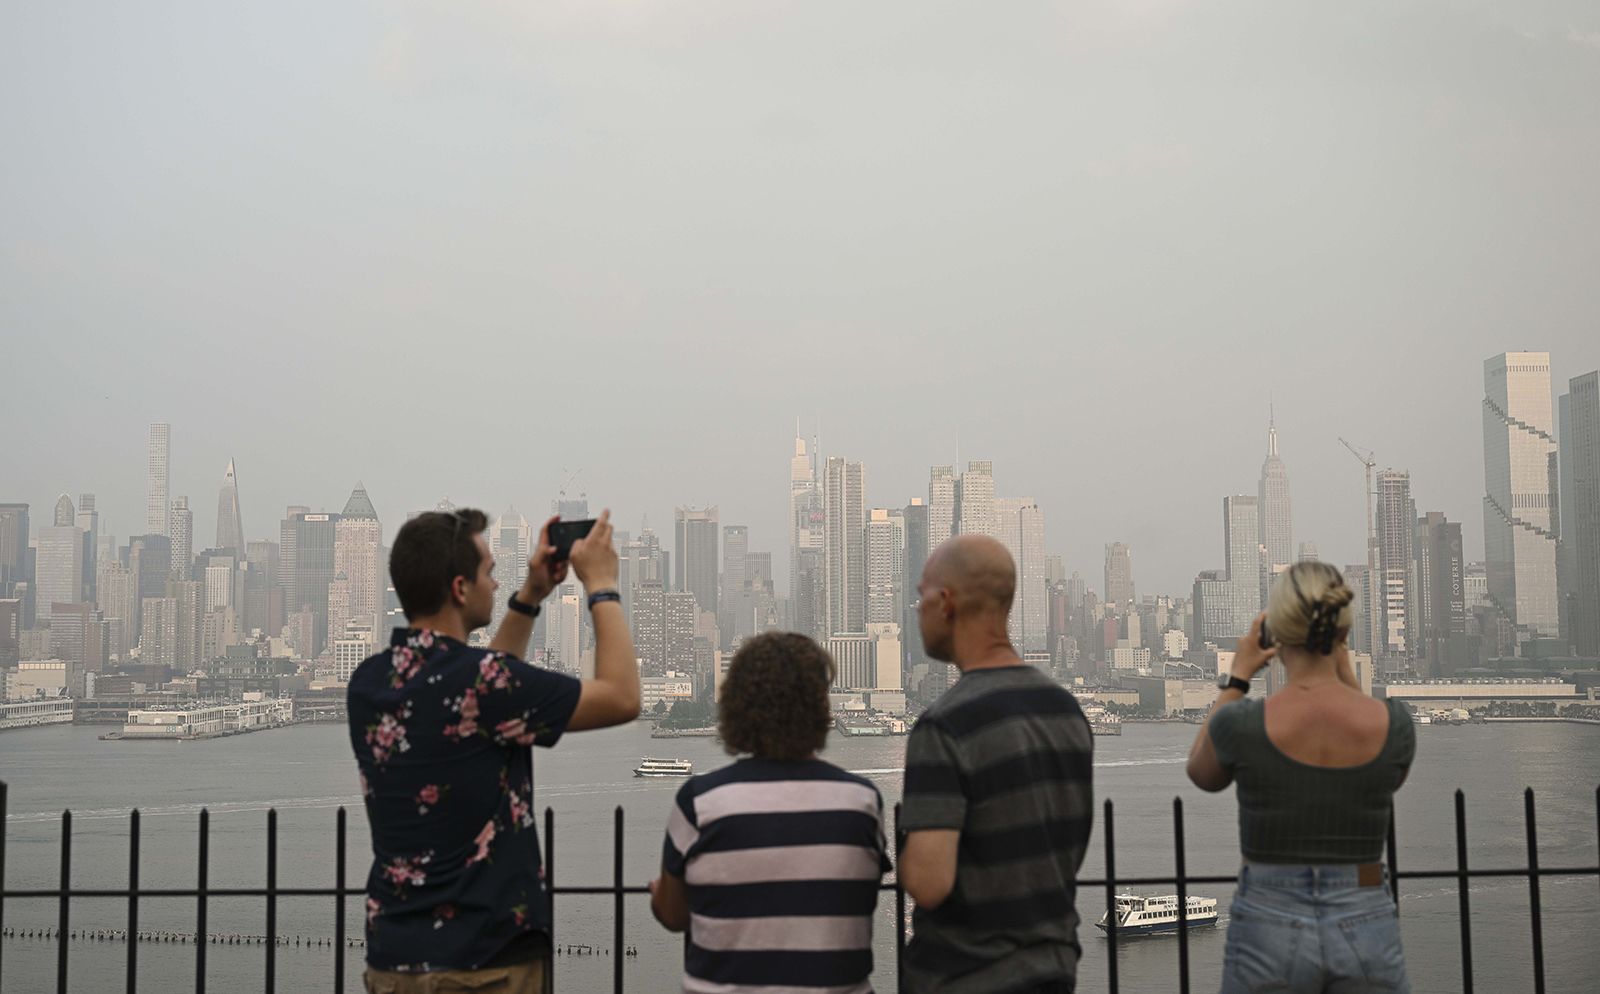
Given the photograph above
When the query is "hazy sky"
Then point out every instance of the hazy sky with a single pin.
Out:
(454, 248)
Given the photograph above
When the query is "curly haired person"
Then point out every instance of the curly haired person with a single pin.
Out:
(772, 863)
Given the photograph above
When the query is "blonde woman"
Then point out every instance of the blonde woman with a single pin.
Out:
(1317, 765)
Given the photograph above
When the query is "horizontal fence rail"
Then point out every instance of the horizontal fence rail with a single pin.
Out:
(63, 934)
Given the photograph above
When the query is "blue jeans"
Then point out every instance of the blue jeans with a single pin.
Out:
(1299, 928)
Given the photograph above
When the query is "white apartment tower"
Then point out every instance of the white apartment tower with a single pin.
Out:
(941, 505)
(180, 526)
(844, 548)
(158, 483)
(1519, 538)
(886, 565)
(1019, 525)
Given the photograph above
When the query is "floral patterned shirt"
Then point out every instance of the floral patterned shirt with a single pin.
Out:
(441, 733)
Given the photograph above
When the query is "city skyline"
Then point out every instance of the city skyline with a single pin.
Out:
(779, 539)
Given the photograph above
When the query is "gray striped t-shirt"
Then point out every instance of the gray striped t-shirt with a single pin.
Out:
(1005, 757)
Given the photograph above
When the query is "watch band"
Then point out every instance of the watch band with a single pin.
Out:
(522, 607)
(601, 596)
(1234, 683)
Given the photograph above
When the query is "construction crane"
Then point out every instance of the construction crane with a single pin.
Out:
(1365, 456)
(571, 478)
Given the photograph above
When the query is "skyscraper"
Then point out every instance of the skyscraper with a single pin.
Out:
(305, 558)
(1213, 617)
(941, 505)
(1441, 614)
(802, 488)
(1396, 517)
(1241, 531)
(158, 631)
(1119, 576)
(150, 565)
(640, 561)
(157, 486)
(975, 510)
(844, 545)
(885, 565)
(1580, 509)
(678, 610)
(58, 569)
(1019, 523)
(116, 594)
(511, 544)
(1519, 540)
(89, 526)
(230, 526)
(695, 568)
(735, 551)
(13, 547)
(735, 601)
(1277, 528)
(358, 559)
(180, 528)
(915, 515)
(807, 607)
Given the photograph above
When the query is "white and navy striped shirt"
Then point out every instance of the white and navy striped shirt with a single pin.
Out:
(781, 861)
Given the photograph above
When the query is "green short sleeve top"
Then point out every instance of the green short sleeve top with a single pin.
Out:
(1293, 812)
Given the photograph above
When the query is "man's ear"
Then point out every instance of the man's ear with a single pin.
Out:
(458, 591)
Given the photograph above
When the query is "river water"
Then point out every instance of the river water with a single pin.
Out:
(306, 773)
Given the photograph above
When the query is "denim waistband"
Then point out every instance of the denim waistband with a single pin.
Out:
(1313, 877)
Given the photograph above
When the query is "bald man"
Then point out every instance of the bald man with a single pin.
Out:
(998, 800)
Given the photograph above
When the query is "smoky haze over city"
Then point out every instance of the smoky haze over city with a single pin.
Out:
(1165, 297)
(1088, 242)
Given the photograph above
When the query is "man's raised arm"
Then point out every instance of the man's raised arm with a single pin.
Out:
(612, 696)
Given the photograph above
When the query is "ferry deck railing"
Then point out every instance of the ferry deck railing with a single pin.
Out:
(620, 892)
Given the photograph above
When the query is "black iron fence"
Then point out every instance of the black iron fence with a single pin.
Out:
(62, 932)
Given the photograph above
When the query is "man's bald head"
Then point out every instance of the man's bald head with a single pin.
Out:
(978, 572)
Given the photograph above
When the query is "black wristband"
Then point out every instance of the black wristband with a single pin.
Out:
(601, 596)
(521, 607)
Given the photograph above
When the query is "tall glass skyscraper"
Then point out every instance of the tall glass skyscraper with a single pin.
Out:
(1519, 540)
(1241, 530)
(1580, 510)
(230, 526)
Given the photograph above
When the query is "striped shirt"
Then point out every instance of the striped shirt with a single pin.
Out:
(1006, 758)
(781, 862)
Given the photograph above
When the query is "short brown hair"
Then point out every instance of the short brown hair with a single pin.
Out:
(431, 550)
(774, 700)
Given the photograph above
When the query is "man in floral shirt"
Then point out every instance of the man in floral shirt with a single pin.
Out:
(455, 898)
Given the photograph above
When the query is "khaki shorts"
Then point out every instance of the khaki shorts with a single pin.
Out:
(518, 978)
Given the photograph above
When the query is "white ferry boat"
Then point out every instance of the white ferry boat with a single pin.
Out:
(1101, 721)
(664, 768)
(1145, 915)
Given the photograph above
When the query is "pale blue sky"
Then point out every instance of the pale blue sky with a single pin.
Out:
(456, 247)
